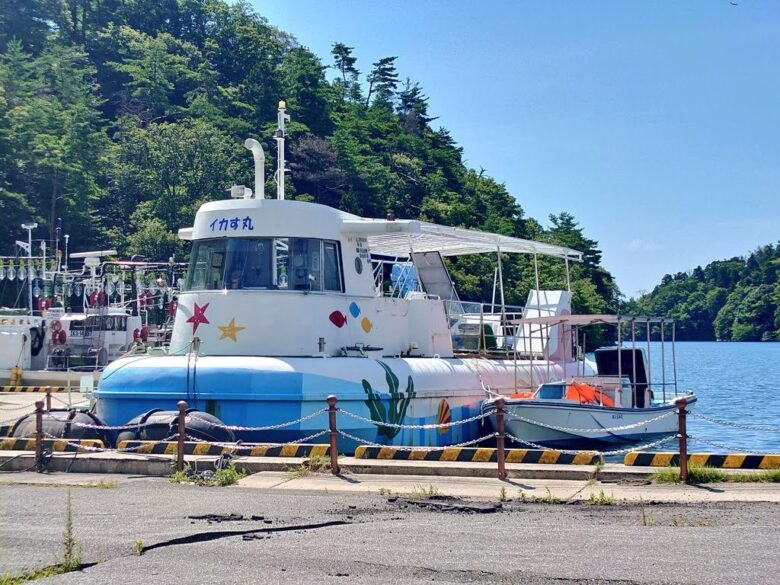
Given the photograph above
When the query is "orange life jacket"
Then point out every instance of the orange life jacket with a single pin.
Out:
(587, 394)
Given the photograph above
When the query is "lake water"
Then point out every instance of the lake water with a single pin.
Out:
(735, 382)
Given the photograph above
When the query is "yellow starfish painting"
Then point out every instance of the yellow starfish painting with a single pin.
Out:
(230, 330)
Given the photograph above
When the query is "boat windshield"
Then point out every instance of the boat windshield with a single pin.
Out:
(304, 264)
(550, 391)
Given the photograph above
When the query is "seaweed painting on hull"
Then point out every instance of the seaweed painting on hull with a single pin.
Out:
(390, 410)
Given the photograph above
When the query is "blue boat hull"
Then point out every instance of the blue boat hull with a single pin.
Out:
(267, 392)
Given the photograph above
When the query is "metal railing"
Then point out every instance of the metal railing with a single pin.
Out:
(179, 434)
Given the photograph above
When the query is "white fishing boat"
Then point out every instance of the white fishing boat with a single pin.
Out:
(620, 405)
(77, 321)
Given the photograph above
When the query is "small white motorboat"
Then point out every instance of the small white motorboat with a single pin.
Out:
(616, 407)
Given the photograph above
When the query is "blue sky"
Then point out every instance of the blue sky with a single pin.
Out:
(656, 124)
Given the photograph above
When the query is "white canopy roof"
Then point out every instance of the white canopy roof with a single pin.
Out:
(587, 320)
(397, 238)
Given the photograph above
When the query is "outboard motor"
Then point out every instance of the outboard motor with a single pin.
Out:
(157, 425)
(63, 423)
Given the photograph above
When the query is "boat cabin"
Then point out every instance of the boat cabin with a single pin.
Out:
(289, 278)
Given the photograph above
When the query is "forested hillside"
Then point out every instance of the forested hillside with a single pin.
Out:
(122, 116)
(736, 300)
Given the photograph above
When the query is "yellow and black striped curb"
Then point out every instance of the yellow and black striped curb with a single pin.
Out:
(733, 461)
(35, 388)
(71, 445)
(483, 455)
(191, 448)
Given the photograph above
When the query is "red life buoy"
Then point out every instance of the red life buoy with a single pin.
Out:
(55, 337)
(172, 308)
(92, 298)
(63, 337)
(56, 326)
(144, 333)
(101, 298)
(136, 334)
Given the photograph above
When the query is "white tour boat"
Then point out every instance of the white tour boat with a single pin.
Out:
(286, 302)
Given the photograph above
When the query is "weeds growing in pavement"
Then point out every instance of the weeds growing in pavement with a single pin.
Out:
(138, 548)
(70, 557)
(699, 475)
(549, 498)
(502, 494)
(71, 548)
(764, 476)
(601, 499)
(228, 475)
(681, 521)
(182, 476)
(647, 519)
(420, 491)
(384, 491)
(315, 464)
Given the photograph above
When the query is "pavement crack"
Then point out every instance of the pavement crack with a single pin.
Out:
(218, 534)
(447, 506)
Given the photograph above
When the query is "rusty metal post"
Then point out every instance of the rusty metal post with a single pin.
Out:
(48, 398)
(334, 449)
(681, 403)
(181, 435)
(39, 436)
(500, 438)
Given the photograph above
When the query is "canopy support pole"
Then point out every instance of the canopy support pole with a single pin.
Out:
(663, 359)
(503, 305)
(633, 362)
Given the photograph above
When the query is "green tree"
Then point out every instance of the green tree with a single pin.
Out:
(382, 81)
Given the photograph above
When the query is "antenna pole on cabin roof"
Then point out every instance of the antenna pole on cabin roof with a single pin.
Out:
(281, 118)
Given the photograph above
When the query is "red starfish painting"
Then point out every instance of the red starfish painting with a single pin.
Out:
(198, 317)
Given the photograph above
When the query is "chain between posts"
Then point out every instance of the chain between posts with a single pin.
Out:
(418, 427)
(416, 448)
(727, 448)
(744, 427)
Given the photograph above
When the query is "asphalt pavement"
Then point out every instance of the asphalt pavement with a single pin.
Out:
(418, 533)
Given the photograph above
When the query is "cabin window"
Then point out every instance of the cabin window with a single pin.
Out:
(303, 264)
(248, 262)
(331, 258)
(207, 265)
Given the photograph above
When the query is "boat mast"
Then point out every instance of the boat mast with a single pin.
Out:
(30, 227)
(281, 117)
